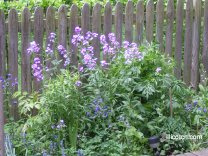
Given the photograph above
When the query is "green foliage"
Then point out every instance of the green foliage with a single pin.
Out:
(113, 112)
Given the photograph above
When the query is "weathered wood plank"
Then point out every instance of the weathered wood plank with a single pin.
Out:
(62, 30)
(139, 21)
(50, 28)
(205, 38)
(118, 21)
(13, 57)
(2, 44)
(179, 35)
(160, 23)
(38, 38)
(96, 28)
(149, 20)
(188, 42)
(2, 149)
(85, 19)
(196, 45)
(129, 12)
(169, 30)
(25, 63)
(73, 25)
(107, 23)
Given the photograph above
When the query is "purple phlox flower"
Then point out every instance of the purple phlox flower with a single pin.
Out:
(52, 37)
(78, 83)
(64, 54)
(112, 37)
(205, 110)
(49, 50)
(104, 63)
(131, 52)
(125, 44)
(158, 69)
(34, 47)
(37, 69)
(78, 30)
(81, 69)
(188, 107)
(103, 40)
(77, 39)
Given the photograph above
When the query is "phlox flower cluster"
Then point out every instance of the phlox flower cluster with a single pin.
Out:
(131, 52)
(86, 50)
(51, 39)
(62, 51)
(37, 67)
(112, 46)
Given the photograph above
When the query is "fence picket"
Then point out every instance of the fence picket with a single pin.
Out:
(160, 23)
(178, 41)
(129, 13)
(85, 20)
(196, 45)
(96, 28)
(205, 38)
(25, 64)
(169, 29)
(139, 21)
(118, 21)
(107, 23)
(50, 28)
(188, 42)
(62, 30)
(73, 25)
(149, 20)
(13, 57)
(2, 44)
(38, 37)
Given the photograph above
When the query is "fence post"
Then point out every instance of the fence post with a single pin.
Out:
(2, 150)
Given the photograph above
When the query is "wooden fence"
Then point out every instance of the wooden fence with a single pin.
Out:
(181, 32)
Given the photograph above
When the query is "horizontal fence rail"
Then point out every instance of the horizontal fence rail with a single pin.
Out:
(181, 32)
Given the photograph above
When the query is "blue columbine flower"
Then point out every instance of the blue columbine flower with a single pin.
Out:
(79, 153)
(205, 110)
(188, 107)
(195, 103)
